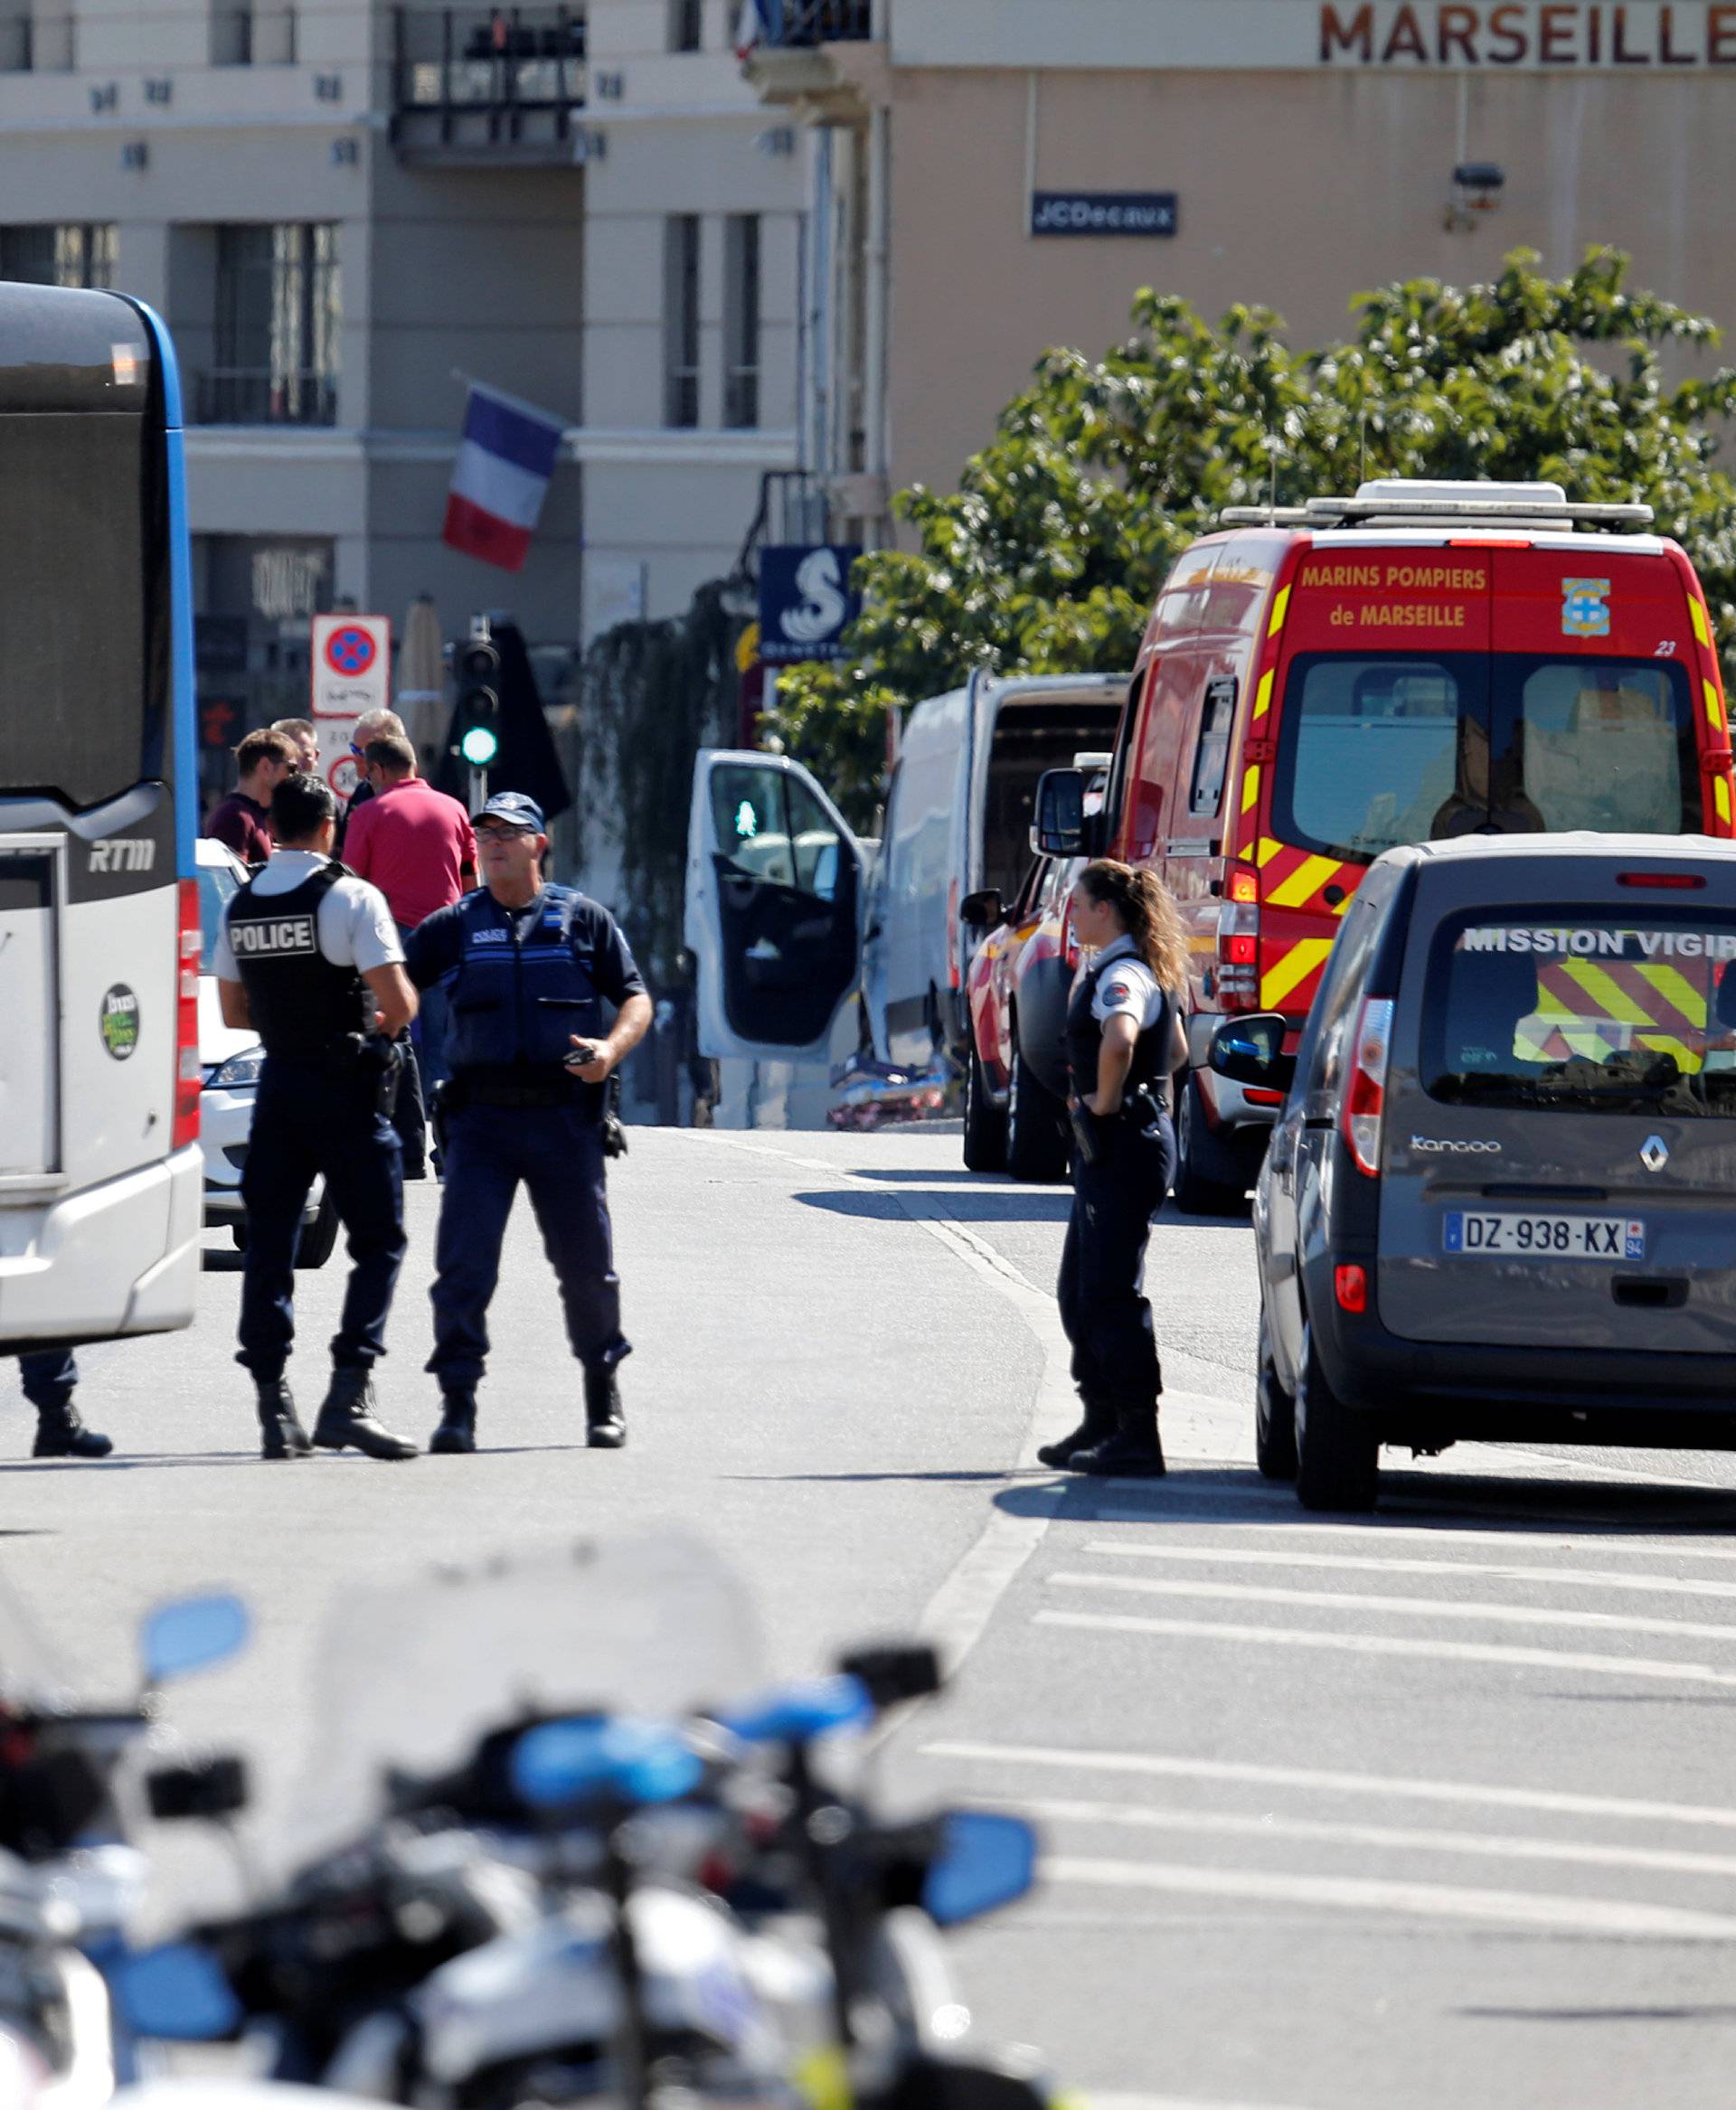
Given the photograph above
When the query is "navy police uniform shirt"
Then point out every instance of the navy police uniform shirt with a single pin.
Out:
(523, 983)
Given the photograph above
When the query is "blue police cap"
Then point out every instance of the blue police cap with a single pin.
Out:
(517, 808)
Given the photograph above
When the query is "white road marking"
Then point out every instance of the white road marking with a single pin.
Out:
(1097, 2099)
(1383, 1645)
(1593, 1916)
(1242, 1772)
(1473, 1610)
(1665, 1545)
(1408, 1839)
(1235, 1555)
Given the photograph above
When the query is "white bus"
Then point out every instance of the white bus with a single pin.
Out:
(100, 1173)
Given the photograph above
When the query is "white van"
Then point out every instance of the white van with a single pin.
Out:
(787, 916)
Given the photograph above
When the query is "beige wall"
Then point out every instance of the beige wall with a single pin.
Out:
(1296, 189)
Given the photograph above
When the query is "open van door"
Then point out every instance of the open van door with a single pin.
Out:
(773, 909)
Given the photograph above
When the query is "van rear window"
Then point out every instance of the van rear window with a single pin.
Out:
(1375, 750)
(1584, 1011)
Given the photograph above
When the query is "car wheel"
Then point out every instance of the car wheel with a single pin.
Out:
(1337, 1452)
(985, 1122)
(318, 1238)
(1208, 1167)
(1036, 1146)
(1273, 1416)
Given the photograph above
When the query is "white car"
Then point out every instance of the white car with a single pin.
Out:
(230, 1057)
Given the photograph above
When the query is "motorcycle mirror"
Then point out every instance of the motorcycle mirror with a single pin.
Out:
(985, 1861)
(894, 1672)
(190, 1634)
(210, 1788)
(177, 1992)
(558, 1764)
(798, 1713)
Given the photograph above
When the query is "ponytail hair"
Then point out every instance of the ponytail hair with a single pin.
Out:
(1147, 907)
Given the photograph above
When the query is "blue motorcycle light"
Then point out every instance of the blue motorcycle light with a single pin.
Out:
(798, 1713)
(561, 1763)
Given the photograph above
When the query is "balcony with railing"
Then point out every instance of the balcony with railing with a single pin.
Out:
(490, 84)
(802, 25)
(256, 395)
(813, 52)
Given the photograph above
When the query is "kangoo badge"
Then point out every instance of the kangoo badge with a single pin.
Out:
(1585, 607)
(120, 1022)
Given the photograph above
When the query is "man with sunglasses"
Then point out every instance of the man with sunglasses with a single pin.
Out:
(528, 968)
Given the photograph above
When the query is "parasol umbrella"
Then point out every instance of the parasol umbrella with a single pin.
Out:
(422, 682)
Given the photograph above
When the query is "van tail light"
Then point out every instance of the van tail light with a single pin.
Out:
(1682, 880)
(189, 1078)
(1365, 1100)
(953, 975)
(1238, 973)
(1068, 936)
(1350, 1287)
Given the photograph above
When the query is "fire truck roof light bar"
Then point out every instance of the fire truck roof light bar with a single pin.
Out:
(1329, 512)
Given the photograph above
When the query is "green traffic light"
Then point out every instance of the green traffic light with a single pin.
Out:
(479, 746)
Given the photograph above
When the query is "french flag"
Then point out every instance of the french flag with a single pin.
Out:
(506, 459)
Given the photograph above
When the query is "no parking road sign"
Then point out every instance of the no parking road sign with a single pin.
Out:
(352, 673)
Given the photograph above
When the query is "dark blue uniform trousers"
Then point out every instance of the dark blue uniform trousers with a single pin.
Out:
(557, 1152)
(1101, 1290)
(314, 1118)
(50, 1378)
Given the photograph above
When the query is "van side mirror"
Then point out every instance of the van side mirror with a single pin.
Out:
(982, 909)
(1251, 1050)
(1060, 827)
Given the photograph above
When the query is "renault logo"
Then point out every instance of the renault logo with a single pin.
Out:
(1654, 1154)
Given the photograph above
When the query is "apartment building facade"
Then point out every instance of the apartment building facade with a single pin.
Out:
(347, 210)
(1025, 165)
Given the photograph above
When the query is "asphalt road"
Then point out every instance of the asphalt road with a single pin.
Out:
(1425, 1809)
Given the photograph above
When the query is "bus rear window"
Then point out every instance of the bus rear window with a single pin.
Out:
(82, 705)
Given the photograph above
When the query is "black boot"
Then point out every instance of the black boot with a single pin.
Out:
(457, 1429)
(60, 1434)
(346, 1419)
(281, 1435)
(1097, 1425)
(605, 1424)
(1132, 1452)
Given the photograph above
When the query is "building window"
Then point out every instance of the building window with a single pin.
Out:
(81, 253)
(686, 25)
(263, 35)
(276, 334)
(681, 319)
(742, 319)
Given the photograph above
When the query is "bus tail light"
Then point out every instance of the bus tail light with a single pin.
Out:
(1365, 1100)
(1238, 974)
(189, 1078)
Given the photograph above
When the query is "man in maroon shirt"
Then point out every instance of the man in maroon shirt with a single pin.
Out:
(242, 821)
(417, 846)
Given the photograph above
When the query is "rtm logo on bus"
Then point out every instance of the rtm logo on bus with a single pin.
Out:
(125, 853)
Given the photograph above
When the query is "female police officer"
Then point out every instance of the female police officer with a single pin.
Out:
(1124, 1041)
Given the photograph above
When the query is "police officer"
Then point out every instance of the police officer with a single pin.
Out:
(527, 967)
(50, 1378)
(1125, 1040)
(309, 958)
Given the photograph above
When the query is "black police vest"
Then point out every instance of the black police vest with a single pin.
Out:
(303, 1007)
(1085, 1040)
(519, 999)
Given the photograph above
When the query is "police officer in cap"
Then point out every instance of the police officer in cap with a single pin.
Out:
(1125, 1040)
(310, 960)
(528, 968)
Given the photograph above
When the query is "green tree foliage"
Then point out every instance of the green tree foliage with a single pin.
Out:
(1047, 558)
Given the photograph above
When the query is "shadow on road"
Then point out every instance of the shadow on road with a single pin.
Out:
(1442, 1502)
(989, 1205)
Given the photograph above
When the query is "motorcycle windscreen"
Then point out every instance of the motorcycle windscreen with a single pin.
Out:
(774, 885)
(410, 1676)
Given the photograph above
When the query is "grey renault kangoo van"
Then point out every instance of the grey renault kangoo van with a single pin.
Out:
(1500, 1201)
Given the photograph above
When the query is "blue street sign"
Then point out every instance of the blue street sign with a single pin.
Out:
(807, 602)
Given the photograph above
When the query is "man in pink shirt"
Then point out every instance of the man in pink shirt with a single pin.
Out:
(417, 846)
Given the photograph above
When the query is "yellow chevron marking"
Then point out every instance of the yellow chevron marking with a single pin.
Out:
(1611, 999)
(1721, 798)
(1251, 787)
(1295, 967)
(1263, 695)
(1281, 608)
(1697, 616)
(1267, 850)
(1713, 717)
(1674, 986)
(1303, 883)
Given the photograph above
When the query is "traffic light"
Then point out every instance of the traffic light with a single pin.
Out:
(477, 724)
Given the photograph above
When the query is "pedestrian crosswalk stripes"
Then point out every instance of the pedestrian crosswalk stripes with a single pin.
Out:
(1393, 1564)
